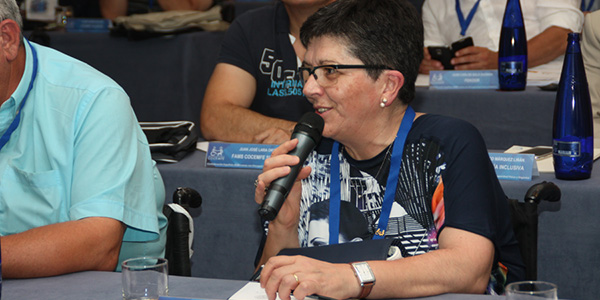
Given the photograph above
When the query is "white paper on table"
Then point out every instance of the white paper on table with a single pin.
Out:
(252, 291)
(545, 165)
(422, 80)
(546, 73)
(202, 146)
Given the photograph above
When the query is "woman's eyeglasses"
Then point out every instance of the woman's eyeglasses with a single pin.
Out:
(327, 75)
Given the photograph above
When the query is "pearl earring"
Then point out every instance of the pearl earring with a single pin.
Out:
(383, 102)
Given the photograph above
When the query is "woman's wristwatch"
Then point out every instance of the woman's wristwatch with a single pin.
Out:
(365, 277)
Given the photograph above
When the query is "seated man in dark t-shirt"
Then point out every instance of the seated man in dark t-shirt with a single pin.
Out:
(254, 94)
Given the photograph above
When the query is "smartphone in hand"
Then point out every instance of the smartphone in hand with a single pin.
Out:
(444, 53)
(460, 44)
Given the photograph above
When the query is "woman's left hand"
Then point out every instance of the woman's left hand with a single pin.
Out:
(306, 276)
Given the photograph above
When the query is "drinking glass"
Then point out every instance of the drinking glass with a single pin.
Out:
(145, 278)
(531, 290)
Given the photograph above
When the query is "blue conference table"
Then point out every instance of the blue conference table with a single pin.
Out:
(107, 286)
(228, 229)
(503, 118)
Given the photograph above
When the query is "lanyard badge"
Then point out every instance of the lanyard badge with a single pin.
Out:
(464, 23)
(15, 123)
(390, 188)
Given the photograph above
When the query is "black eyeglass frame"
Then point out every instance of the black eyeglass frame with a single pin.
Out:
(311, 71)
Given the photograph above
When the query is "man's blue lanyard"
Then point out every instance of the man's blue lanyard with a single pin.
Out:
(464, 24)
(390, 188)
(15, 123)
(589, 6)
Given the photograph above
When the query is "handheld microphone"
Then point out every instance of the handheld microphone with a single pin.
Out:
(308, 132)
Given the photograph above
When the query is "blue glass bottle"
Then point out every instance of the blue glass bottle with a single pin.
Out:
(573, 131)
(512, 53)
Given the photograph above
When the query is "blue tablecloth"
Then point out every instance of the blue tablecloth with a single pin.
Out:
(107, 286)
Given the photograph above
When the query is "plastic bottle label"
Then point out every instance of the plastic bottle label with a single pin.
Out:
(511, 67)
(569, 149)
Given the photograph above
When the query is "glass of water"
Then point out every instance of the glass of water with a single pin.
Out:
(531, 290)
(145, 278)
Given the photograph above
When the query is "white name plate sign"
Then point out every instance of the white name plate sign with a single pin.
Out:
(234, 155)
(510, 166)
(472, 79)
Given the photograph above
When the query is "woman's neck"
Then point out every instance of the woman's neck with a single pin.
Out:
(370, 145)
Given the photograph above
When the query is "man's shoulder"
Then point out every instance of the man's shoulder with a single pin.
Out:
(249, 32)
(64, 71)
(448, 132)
(261, 15)
(442, 124)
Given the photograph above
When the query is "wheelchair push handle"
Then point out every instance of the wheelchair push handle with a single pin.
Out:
(187, 197)
(545, 190)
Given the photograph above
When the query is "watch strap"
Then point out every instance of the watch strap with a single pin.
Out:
(366, 290)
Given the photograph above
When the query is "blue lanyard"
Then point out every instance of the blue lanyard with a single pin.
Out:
(589, 6)
(390, 188)
(464, 24)
(15, 123)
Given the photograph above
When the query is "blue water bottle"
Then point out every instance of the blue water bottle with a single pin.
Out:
(573, 131)
(512, 54)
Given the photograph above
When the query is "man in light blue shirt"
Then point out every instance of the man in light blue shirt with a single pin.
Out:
(78, 188)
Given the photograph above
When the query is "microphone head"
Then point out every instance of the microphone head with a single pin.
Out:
(312, 120)
(312, 125)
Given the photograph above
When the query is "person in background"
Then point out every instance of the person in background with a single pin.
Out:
(547, 23)
(447, 211)
(78, 188)
(111, 9)
(254, 94)
(590, 48)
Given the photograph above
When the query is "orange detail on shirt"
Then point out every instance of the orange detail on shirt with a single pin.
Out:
(503, 269)
(437, 206)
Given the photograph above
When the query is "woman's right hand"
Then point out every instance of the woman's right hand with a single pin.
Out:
(276, 166)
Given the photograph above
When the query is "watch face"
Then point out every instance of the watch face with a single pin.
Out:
(364, 273)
